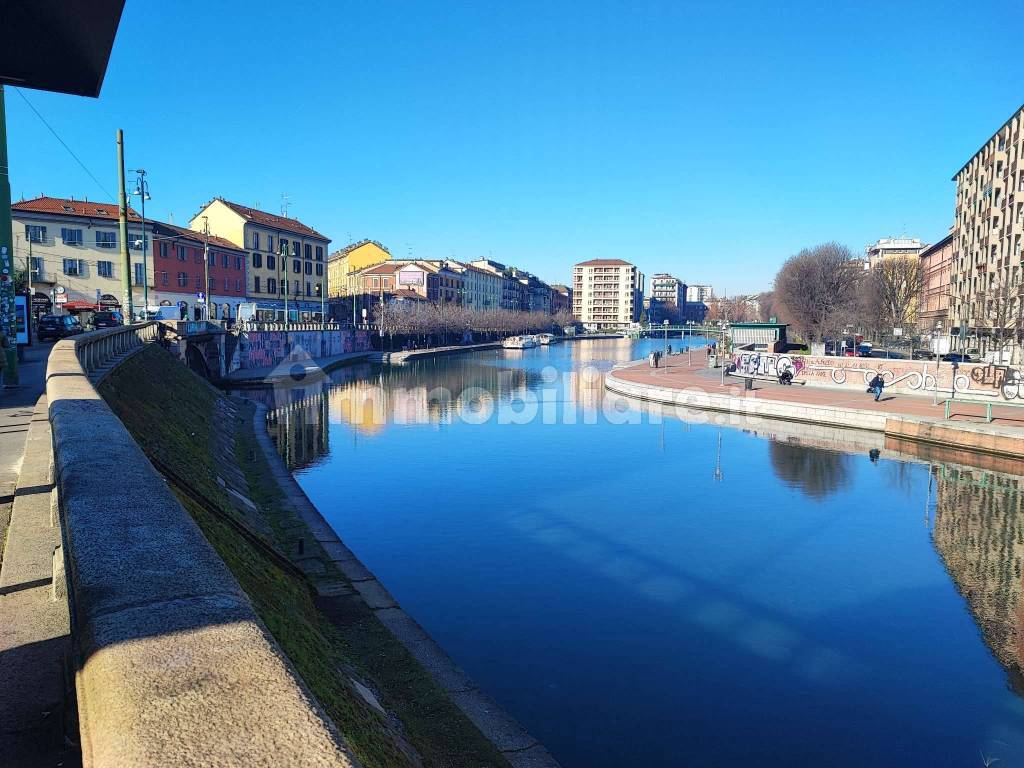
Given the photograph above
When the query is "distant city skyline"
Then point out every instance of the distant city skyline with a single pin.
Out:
(709, 144)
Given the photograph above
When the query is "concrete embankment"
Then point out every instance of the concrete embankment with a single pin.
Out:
(393, 695)
(173, 666)
(689, 389)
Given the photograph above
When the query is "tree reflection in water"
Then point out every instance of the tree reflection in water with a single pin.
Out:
(816, 472)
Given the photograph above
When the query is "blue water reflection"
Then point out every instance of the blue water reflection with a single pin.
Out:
(664, 593)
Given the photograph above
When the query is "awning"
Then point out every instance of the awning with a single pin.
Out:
(77, 306)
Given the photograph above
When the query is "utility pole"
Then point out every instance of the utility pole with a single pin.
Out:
(206, 264)
(143, 192)
(8, 321)
(283, 248)
(122, 217)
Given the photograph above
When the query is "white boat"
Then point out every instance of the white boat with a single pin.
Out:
(519, 342)
(546, 338)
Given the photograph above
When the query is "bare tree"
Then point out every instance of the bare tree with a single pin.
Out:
(890, 293)
(819, 289)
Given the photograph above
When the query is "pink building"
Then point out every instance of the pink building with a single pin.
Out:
(933, 306)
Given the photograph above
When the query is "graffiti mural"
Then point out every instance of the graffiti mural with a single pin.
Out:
(266, 349)
(982, 380)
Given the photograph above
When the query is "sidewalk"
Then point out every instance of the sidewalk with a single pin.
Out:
(676, 374)
(16, 407)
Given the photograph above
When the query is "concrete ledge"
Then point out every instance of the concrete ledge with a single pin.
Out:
(173, 665)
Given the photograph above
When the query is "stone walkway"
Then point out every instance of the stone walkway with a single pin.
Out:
(676, 373)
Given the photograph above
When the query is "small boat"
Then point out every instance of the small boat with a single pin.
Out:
(519, 342)
(546, 338)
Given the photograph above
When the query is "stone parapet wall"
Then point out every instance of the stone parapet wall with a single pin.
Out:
(173, 667)
(267, 349)
(922, 377)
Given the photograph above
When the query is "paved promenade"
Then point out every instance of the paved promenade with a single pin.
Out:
(680, 383)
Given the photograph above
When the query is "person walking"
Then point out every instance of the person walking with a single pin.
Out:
(876, 386)
(652, 359)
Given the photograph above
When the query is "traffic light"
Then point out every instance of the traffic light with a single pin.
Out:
(319, 289)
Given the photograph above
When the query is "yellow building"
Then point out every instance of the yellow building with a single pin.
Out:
(285, 255)
(343, 265)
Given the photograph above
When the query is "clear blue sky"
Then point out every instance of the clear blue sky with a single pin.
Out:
(709, 140)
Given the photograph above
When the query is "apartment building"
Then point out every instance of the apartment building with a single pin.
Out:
(73, 250)
(666, 289)
(483, 288)
(933, 304)
(561, 298)
(180, 274)
(700, 293)
(606, 293)
(344, 264)
(285, 255)
(514, 294)
(985, 285)
(888, 247)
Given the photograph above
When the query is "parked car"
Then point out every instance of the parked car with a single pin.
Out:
(57, 327)
(922, 354)
(956, 357)
(106, 320)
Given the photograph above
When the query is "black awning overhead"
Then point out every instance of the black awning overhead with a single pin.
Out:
(57, 45)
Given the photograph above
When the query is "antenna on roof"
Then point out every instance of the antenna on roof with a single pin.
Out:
(285, 204)
(170, 217)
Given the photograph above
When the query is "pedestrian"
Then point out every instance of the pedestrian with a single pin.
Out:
(669, 350)
(876, 386)
(652, 359)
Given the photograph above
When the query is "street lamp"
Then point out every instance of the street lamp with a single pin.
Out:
(665, 323)
(142, 191)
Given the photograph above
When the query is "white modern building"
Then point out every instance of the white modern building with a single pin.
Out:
(700, 293)
(887, 247)
(668, 290)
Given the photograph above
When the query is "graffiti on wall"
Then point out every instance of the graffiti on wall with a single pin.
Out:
(910, 376)
(267, 349)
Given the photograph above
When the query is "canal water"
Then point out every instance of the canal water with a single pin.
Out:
(645, 590)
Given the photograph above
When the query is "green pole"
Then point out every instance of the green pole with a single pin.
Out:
(122, 217)
(8, 323)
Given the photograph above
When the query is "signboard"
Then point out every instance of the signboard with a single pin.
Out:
(21, 325)
(410, 277)
(60, 298)
(200, 296)
(897, 331)
(108, 301)
(6, 291)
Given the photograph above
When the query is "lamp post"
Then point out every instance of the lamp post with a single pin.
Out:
(282, 255)
(665, 323)
(142, 190)
(206, 267)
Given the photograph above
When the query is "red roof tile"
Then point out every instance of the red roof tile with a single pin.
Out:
(65, 207)
(170, 231)
(604, 263)
(272, 220)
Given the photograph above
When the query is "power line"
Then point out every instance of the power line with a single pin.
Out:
(63, 143)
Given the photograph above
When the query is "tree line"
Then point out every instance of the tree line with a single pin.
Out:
(430, 323)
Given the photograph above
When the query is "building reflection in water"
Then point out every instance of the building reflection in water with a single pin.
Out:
(816, 472)
(979, 532)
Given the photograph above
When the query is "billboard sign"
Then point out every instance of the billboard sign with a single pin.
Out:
(410, 277)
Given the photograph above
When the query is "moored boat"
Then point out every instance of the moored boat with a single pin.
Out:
(519, 342)
(546, 338)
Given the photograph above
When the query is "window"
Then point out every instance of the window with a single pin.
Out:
(163, 278)
(164, 248)
(256, 284)
(74, 267)
(271, 285)
(319, 253)
(227, 286)
(224, 260)
(69, 236)
(257, 259)
(295, 247)
(183, 279)
(105, 268)
(199, 282)
(182, 255)
(309, 267)
(284, 286)
(296, 266)
(239, 263)
(35, 233)
(37, 267)
(309, 289)
(135, 241)
(199, 256)
(319, 270)
(256, 240)
(139, 277)
(270, 242)
(211, 285)
(307, 251)
(271, 261)
(212, 258)
(238, 283)
(106, 239)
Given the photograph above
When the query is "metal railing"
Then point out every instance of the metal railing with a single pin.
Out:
(258, 325)
(96, 348)
(987, 403)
